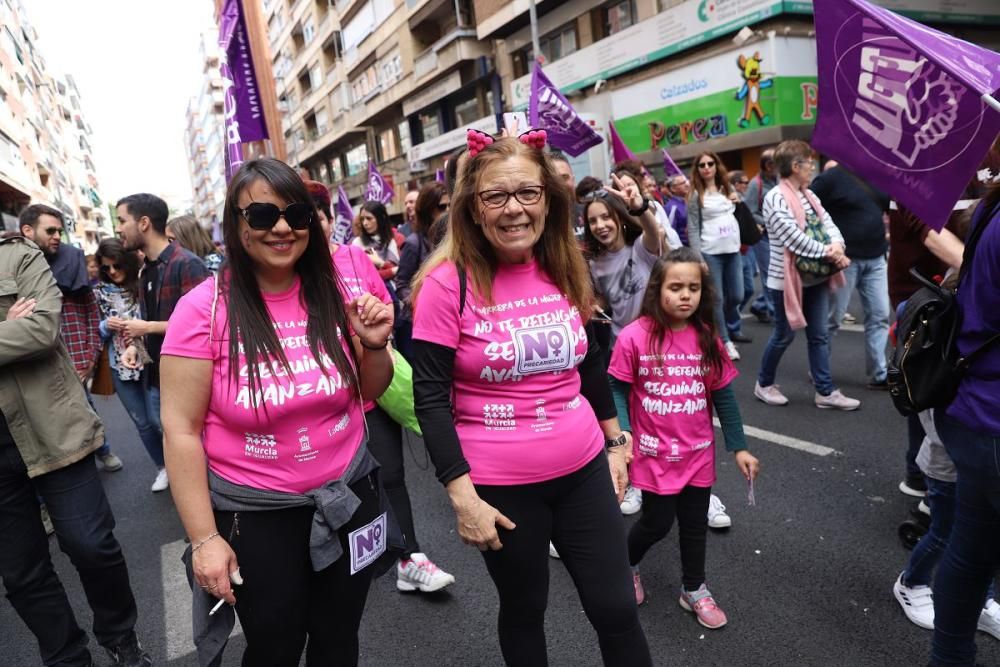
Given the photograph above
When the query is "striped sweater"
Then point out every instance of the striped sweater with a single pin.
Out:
(783, 232)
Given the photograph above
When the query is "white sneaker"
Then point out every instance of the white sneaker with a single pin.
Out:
(989, 618)
(917, 603)
(717, 517)
(837, 401)
(731, 350)
(552, 550)
(161, 483)
(769, 394)
(632, 502)
(420, 574)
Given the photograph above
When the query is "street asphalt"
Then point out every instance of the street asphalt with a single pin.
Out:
(805, 575)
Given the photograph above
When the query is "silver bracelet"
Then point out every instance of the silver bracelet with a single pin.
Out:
(202, 543)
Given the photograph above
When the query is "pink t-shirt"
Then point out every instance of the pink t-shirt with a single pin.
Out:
(672, 435)
(516, 391)
(313, 425)
(358, 276)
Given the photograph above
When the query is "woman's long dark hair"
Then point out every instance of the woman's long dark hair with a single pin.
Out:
(702, 319)
(426, 210)
(250, 325)
(626, 223)
(127, 260)
(383, 226)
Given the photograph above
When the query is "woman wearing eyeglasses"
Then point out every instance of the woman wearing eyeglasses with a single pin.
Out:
(118, 299)
(263, 386)
(714, 232)
(515, 405)
(432, 203)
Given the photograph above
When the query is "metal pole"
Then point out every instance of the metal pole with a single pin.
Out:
(533, 16)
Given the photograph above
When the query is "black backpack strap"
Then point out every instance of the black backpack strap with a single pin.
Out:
(462, 288)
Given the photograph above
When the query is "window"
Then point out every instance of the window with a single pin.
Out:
(404, 137)
(387, 145)
(554, 46)
(365, 84)
(430, 123)
(315, 76)
(322, 121)
(336, 170)
(466, 112)
(308, 30)
(617, 16)
(357, 159)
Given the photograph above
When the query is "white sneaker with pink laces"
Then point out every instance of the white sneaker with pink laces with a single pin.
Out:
(420, 574)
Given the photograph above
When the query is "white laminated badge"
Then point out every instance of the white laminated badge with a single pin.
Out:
(543, 349)
(367, 543)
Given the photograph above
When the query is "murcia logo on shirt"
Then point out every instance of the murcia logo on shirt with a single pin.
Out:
(649, 445)
(260, 446)
(543, 349)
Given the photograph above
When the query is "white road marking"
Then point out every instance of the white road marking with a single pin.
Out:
(177, 603)
(784, 440)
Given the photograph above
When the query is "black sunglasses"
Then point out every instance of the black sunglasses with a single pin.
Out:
(706, 165)
(262, 216)
(443, 207)
(52, 231)
(108, 267)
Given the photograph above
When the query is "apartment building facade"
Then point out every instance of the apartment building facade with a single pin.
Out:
(46, 153)
(204, 138)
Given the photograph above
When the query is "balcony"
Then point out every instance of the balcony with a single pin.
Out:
(449, 51)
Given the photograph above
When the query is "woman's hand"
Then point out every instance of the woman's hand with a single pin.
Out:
(215, 568)
(373, 256)
(618, 458)
(477, 523)
(629, 194)
(21, 308)
(116, 324)
(371, 320)
(130, 358)
(748, 464)
(734, 197)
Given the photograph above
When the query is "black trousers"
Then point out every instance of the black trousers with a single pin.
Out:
(283, 602)
(690, 507)
(385, 442)
(84, 527)
(579, 514)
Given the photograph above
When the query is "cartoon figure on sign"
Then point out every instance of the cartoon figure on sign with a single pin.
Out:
(750, 90)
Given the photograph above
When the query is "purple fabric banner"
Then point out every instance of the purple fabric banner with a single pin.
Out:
(378, 189)
(439, 176)
(670, 167)
(900, 104)
(619, 151)
(549, 110)
(343, 215)
(244, 115)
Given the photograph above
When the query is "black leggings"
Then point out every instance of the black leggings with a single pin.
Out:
(282, 601)
(690, 506)
(385, 442)
(579, 514)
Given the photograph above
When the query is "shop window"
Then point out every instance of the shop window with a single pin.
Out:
(617, 16)
(357, 159)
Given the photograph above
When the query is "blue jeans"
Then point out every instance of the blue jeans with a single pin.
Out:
(727, 278)
(816, 309)
(84, 527)
(871, 279)
(762, 254)
(749, 271)
(973, 553)
(133, 398)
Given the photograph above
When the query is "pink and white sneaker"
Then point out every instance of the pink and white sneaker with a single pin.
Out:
(640, 592)
(701, 603)
(420, 574)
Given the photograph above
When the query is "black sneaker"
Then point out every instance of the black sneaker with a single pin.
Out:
(762, 316)
(913, 485)
(129, 653)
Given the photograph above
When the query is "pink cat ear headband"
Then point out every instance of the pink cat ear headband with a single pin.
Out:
(477, 141)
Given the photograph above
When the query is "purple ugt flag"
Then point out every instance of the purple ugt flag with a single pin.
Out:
(901, 104)
(670, 167)
(378, 188)
(549, 110)
(343, 218)
(619, 151)
(244, 115)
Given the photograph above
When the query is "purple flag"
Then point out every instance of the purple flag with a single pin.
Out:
(619, 151)
(439, 176)
(549, 110)
(343, 218)
(244, 115)
(378, 189)
(670, 168)
(901, 104)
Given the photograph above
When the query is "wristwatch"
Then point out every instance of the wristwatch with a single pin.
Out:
(615, 442)
(634, 212)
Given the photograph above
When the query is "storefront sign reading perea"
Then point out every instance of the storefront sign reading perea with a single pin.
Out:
(730, 93)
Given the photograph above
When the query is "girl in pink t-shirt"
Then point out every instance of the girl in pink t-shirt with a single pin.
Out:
(667, 367)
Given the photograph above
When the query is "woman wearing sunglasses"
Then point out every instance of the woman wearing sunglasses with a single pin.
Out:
(509, 391)
(118, 299)
(263, 390)
(714, 232)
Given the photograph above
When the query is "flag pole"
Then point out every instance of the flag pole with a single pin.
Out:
(991, 102)
(533, 17)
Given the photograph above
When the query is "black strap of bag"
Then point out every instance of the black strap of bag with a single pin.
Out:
(462, 288)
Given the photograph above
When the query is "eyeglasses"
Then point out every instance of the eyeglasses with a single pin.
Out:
(595, 195)
(526, 196)
(263, 217)
(706, 165)
(52, 231)
(742, 182)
